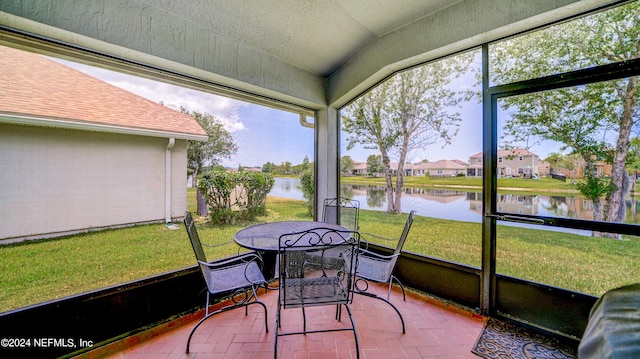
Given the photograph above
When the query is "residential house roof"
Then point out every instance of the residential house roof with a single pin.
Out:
(511, 152)
(40, 91)
(359, 165)
(440, 165)
(461, 162)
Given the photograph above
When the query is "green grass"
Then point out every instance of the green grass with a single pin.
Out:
(471, 183)
(38, 271)
(583, 264)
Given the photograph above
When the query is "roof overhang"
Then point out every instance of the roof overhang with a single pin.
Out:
(96, 127)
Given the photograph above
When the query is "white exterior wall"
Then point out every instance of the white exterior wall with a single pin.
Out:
(516, 163)
(54, 180)
(445, 172)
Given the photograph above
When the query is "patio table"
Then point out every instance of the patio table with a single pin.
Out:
(264, 237)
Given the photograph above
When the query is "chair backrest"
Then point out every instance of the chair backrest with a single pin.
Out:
(403, 237)
(341, 210)
(317, 267)
(190, 226)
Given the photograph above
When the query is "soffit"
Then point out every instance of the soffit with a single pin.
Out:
(315, 36)
(308, 53)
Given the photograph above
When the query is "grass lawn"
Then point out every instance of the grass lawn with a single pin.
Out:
(544, 185)
(583, 264)
(38, 271)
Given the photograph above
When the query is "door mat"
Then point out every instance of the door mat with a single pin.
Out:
(505, 340)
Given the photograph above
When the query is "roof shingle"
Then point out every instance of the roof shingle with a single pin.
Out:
(36, 87)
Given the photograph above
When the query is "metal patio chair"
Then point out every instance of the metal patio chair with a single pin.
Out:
(325, 280)
(341, 210)
(379, 268)
(240, 275)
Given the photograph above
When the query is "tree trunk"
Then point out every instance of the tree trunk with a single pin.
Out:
(616, 199)
(397, 207)
(400, 177)
(388, 174)
(201, 206)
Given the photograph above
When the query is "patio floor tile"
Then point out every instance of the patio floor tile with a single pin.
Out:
(433, 330)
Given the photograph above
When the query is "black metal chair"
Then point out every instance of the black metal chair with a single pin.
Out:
(379, 268)
(341, 210)
(326, 279)
(240, 275)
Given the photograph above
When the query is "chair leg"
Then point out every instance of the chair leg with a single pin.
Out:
(275, 345)
(278, 326)
(246, 305)
(304, 321)
(355, 333)
(367, 294)
(196, 327)
(397, 311)
(266, 322)
(404, 297)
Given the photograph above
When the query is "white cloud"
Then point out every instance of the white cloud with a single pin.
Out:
(225, 109)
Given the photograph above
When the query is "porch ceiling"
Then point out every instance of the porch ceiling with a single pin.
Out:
(316, 36)
(310, 53)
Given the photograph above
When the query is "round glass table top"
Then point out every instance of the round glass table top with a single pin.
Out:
(264, 237)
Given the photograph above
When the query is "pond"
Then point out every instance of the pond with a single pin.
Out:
(463, 205)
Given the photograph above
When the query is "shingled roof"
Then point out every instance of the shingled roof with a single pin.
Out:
(39, 91)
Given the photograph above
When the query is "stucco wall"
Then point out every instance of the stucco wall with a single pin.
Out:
(150, 28)
(57, 180)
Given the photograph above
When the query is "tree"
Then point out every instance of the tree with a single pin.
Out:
(269, 167)
(219, 145)
(308, 189)
(302, 167)
(633, 162)
(285, 168)
(554, 159)
(374, 165)
(594, 121)
(557, 160)
(306, 164)
(408, 111)
(346, 165)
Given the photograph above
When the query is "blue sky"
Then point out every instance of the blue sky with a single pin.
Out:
(261, 133)
(266, 134)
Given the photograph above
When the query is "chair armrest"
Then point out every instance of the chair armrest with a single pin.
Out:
(252, 269)
(245, 258)
(253, 253)
(377, 255)
(363, 238)
(216, 245)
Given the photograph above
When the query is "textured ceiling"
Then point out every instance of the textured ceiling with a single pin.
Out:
(317, 36)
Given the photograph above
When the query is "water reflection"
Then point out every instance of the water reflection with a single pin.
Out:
(463, 205)
(287, 188)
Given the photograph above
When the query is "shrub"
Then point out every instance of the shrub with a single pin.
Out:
(308, 188)
(233, 196)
